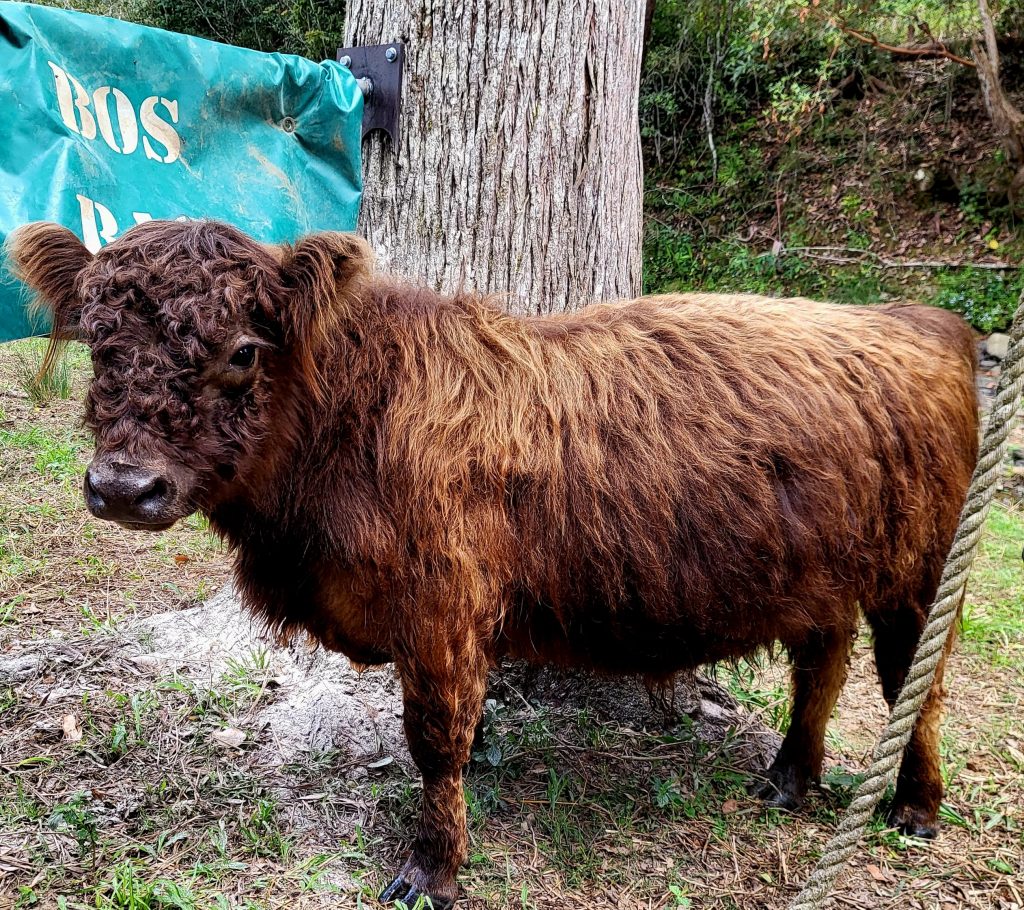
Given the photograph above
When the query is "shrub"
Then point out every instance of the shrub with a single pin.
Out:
(311, 28)
(986, 299)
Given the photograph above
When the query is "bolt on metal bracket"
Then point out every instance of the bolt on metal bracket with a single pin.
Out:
(378, 71)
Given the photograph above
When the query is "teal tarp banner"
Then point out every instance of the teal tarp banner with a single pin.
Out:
(104, 124)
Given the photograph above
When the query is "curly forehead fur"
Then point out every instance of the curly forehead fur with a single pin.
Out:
(188, 285)
(155, 309)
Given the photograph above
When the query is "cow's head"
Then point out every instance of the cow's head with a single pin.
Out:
(191, 326)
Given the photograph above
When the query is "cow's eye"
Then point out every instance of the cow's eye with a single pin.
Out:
(244, 357)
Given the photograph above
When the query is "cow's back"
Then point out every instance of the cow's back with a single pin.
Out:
(726, 471)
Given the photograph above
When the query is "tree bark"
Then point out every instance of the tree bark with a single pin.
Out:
(519, 170)
(1006, 118)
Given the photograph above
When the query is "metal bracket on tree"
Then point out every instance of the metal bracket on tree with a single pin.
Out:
(378, 71)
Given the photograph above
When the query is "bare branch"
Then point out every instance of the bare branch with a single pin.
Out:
(988, 27)
(933, 50)
(849, 255)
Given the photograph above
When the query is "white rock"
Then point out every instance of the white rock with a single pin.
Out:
(996, 345)
(72, 728)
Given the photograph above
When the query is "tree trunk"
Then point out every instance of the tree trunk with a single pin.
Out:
(519, 170)
(1006, 118)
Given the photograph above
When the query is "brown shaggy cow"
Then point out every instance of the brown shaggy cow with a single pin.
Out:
(638, 487)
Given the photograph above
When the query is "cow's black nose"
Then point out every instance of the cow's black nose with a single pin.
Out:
(126, 492)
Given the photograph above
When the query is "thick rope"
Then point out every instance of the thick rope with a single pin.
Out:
(941, 621)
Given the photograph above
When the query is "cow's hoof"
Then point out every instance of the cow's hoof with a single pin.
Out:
(913, 821)
(783, 788)
(408, 892)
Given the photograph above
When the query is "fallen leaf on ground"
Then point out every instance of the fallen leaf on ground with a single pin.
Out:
(877, 874)
(229, 736)
(72, 729)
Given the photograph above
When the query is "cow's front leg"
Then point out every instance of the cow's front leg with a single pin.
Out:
(443, 687)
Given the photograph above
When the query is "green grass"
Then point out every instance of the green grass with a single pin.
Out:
(128, 731)
(77, 819)
(56, 454)
(676, 262)
(570, 828)
(246, 678)
(128, 887)
(42, 388)
(986, 299)
(993, 620)
(58, 382)
(261, 832)
(770, 702)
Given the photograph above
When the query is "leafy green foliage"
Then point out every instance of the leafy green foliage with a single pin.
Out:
(730, 61)
(761, 141)
(675, 262)
(308, 27)
(311, 28)
(986, 299)
(129, 888)
(76, 818)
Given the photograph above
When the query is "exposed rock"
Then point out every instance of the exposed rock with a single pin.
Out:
(996, 345)
(322, 703)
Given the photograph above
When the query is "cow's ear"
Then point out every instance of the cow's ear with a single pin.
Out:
(49, 258)
(323, 267)
(322, 275)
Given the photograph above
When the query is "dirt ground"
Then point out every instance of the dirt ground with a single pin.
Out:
(157, 752)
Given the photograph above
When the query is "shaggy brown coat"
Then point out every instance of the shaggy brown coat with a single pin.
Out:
(639, 487)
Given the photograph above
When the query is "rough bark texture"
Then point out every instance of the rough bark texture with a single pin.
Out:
(519, 170)
(1006, 118)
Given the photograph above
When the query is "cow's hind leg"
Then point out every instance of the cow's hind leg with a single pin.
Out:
(819, 671)
(915, 806)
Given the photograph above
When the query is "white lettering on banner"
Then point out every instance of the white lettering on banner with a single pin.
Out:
(127, 125)
(67, 104)
(82, 113)
(99, 225)
(160, 130)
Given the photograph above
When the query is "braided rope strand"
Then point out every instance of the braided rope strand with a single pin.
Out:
(941, 621)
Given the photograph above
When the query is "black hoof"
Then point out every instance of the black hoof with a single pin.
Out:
(409, 894)
(782, 789)
(914, 822)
